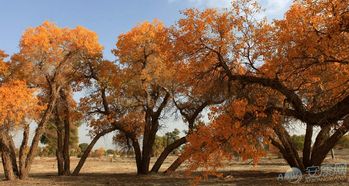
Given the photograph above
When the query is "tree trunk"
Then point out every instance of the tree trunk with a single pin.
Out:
(307, 146)
(59, 152)
(289, 159)
(148, 142)
(174, 166)
(166, 152)
(7, 164)
(289, 148)
(89, 148)
(321, 152)
(66, 152)
(321, 137)
(138, 154)
(38, 133)
(6, 157)
(22, 150)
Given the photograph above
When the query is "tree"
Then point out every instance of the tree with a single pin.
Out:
(100, 152)
(18, 104)
(299, 60)
(143, 53)
(298, 141)
(104, 108)
(54, 142)
(83, 147)
(49, 60)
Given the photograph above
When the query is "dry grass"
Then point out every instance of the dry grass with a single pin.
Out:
(122, 172)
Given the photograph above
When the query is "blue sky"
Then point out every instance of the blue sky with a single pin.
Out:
(108, 18)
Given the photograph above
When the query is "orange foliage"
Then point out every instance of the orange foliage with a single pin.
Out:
(226, 136)
(18, 103)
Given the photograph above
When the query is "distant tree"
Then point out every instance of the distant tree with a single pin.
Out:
(110, 151)
(83, 147)
(159, 145)
(100, 152)
(298, 141)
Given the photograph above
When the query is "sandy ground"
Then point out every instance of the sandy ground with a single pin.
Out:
(121, 171)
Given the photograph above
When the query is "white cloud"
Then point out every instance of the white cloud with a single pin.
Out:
(273, 8)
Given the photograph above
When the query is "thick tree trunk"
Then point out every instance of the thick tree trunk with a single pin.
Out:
(66, 152)
(321, 137)
(8, 149)
(166, 152)
(307, 146)
(289, 149)
(12, 152)
(287, 156)
(59, 152)
(148, 142)
(7, 164)
(138, 154)
(6, 156)
(321, 152)
(22, 150)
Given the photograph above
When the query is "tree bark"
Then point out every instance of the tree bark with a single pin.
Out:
(152, 125)
(66, 152)
(38, 133)
(59, 150)
(138, 154)
(22, 150)
(7, 164)
(321, 152)
(89, 148)
(307, 145)
(6, 157)
(174, 166)
(166, 152)
(289, 150)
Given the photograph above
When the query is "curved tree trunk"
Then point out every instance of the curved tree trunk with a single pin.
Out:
(289, 151)
(166, 152)
(88, 150)
(320, 153)
(38, 133)
(174, 166)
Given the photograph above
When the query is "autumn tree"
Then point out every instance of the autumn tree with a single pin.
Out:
(105, 108)
(301, 60)
(49, 59)
(19, 105)
(143, 53)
